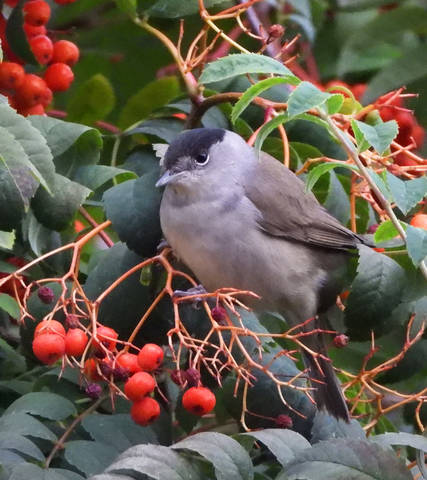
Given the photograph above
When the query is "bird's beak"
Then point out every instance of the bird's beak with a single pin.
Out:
(167, 177)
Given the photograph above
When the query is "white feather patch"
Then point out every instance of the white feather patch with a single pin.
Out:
(160, 150)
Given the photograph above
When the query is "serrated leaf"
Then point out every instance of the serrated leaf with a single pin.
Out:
(9, 305)
(386, 231)
(26, 425)
(283, 444)
(307, 96)
(16, 37)
(57, 211)
(347, 458)
(33, 143)
(24, 471)
(240, 64)
(92, 101)
(402, 438)
(133, 208)
(378, 136)
(315, 173)
(228, 457)
(43, 404)
(7, 240)
(407, 193)
(376, 290)
(416, 242)
(166, 129)
(255, 90)
(40, 238)
(11, 361)
(93, 176)
(267, 128)
(89, 457)
(152, 96)
(174, 9)
(21, 445)
(155, 461)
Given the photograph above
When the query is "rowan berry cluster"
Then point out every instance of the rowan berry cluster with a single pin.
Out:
(31, 93)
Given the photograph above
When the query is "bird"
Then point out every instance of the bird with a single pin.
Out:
(238, 218)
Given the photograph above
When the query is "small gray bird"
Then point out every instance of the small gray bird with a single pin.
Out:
(241, 220)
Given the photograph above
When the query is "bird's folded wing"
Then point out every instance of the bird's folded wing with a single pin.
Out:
(287, 211)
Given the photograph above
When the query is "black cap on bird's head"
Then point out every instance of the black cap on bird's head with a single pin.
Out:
(190, 149)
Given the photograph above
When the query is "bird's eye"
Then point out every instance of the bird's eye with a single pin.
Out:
(202, 158)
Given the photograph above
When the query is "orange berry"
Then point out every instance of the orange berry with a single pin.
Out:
(49, 347)
(58, 77)
(42, 48)
(145, 411)
(49, 326)
(129, 361)
(65, 52)
(32, 91)
(198, 400)
(90, 370)
(419, 220)
(139, 386)
(75, 342)
(36, 110)
(11, 75)
(36, 12)
(33, 30)
(150, 357)
(107, 336)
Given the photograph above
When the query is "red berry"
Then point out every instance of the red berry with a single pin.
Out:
(90, 370)
(419, 220)
(42, 48)
(11, 3)
(32, 91)
(33, 31)
(36, 110)
(64, 2)
(341, 341)
(59, 77)
(139, 386)
(107, 337)
(11, 75)
(65, 52)
(47, 97)
(418, 134)
(46, 295)
(150, 357)
(49, 347)
(49, 326)
(178, 377)
(75, 342)
(145, 411)
(404, 160)
(283, 421)
(359, 90)
(128, 361)
(198, 400)
(36, 12)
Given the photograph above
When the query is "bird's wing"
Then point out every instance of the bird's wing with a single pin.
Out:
(287, 211)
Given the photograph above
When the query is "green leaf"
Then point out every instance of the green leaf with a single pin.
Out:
(26, 425)
(316, 172)
(307, 96)
(11, 361)
(93, 176)
(402, 438)
(16, 37)
(228, 457)
(378, 136)
(9, 305)
(155, 461)
(408, 193)
(376, 290)
(133, 208)
(255, 90)
(24, 471)
(347, 458)
(174, 9)
(40, 238)
(7, 240)
(387, 231)
(416, 242)
(21, 445)
(283, 444)
(57, 211)
(152, 96)
(240, 64)
(43, 404)
(89, 457)
(127, 6)
(166, 129)
(267, 128)
(117, 430)
(92, 101)
(33, 143)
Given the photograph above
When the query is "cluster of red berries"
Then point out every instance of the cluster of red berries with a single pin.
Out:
(410, 131)
(29, 93)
